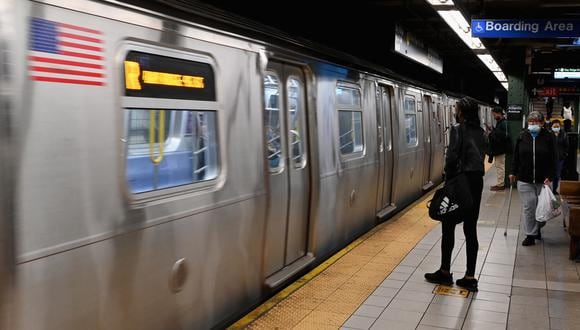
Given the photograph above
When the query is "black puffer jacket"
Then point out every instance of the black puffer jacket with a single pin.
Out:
(466, 150)
(562, 144)
(537, 157)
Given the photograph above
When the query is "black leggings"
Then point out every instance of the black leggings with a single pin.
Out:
(469, 228)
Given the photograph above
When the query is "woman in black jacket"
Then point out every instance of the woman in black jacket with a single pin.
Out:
(562, 149)
(464, 154)
(533, 165)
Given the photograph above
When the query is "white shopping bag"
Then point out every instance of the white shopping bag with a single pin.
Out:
(549, 206)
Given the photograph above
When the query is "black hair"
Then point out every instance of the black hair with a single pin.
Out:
(497, 110)
(468, 107)
(556, 121)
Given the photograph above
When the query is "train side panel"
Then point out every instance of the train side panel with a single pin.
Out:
(348, 165)
(114, 233)
(90, 253)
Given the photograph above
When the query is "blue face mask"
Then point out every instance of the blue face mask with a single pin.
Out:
(534, 130)
(556, 129)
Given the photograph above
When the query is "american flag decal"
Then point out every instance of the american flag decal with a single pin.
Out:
(65, 53)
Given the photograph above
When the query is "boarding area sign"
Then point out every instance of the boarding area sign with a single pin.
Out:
(525, 28)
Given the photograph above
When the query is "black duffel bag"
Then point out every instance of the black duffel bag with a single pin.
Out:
(453, 201)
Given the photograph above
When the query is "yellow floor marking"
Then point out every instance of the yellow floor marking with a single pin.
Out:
(331, 294)
(326, 296)
(445, 290)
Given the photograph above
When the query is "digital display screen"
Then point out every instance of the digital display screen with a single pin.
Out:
(156, 76)
(566, 73)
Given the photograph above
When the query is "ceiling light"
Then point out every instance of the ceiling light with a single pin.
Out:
(500, 76)
(489, 62)
(457, 22)
(441, 2)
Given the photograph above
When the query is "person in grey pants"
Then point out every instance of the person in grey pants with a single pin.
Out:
(533, 166)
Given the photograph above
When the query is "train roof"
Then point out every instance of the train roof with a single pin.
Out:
(214, 17)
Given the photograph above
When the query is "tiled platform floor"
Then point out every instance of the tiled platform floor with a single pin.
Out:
(379, 284)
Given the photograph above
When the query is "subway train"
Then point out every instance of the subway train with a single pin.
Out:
(161, 172)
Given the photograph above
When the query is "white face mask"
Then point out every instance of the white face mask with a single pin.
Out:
(534, 128)
(556, 129)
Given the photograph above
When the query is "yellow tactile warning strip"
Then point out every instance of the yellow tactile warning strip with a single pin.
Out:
(327, 296)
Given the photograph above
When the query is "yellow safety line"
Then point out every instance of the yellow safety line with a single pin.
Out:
(280, 296)
(270, 303)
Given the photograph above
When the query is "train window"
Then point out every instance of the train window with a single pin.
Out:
(347, 97)
(350, 128)
(272, 122)
(410, 121)
(295, 114)
(350, 125)
(170, 121)
(169, 148)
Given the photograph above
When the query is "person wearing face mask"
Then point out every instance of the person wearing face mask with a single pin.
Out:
(533, 165)
(562, 149)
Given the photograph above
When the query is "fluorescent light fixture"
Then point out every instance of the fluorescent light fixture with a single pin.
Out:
(500, 76)
(489, 62)
(441, 2)
(457, 22)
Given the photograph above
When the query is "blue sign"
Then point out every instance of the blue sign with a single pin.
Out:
(525, 28)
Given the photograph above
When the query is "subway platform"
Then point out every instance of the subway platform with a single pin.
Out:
(377, 281)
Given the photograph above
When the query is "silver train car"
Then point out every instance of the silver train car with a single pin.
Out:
(158, 173)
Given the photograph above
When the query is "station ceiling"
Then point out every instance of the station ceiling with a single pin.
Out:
(365, 29)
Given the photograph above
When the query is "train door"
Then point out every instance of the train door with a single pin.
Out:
(428, 145)
(437, 141)
(386, 152)
(288, 167)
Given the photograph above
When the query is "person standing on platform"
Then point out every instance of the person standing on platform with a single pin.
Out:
(465, 154)
(562, 148)
(499, 145)
(549, 107)
(567, 115)
(533, 165)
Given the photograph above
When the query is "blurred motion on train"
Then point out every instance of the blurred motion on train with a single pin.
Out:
(161, 173)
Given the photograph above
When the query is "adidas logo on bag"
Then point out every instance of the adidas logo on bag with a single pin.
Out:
(445, 207)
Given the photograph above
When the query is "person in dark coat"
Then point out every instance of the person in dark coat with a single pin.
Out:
(465, 154)
(533, 166)
(562, 150)
(499, 144)
(549, 107)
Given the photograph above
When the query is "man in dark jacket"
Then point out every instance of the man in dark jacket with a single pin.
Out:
(499, 144)
(533, 166)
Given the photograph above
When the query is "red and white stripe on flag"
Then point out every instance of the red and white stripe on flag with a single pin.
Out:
(65, 53)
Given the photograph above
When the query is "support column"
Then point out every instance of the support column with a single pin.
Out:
(517, 96)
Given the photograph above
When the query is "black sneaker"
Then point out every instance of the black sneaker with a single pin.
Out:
(529, 241)
(467, 283)
(439, 277)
